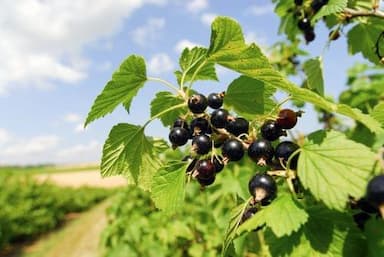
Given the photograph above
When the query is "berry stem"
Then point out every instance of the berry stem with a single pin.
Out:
(186, 71)
(167, 84)
(291, 157)
(164, 112)
(195, 74)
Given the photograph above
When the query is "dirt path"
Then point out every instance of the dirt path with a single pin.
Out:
(82, 178)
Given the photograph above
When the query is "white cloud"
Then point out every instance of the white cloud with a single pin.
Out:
(207, 18)
(196, 6)
(105, 66)
(79, 128)
(160, 63)
(260, 10)
(72, 117)
(89, 152)
(42, 42)
(4, 136)
(22, 148)
(149, 32)
(184, 43)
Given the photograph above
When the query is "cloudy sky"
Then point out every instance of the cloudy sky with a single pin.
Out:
(57, 55)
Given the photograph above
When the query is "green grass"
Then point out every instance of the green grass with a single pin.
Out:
(44, 169)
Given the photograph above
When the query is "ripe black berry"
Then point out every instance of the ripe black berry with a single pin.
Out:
(375, 191)
(304, 24)
(365, 206)
(200, 126)
(309, 36)
(215, 100)
(201, 144)
(219, 118)
(205, 169)
(207, 181)
(192, 165)
(317, 4)
(261, 151)
(232, 149)
(197, 103)
(271, 131)
(262, 187)
(218, 163)
(237, 126)
(178, 136)
(180, 123)
(284, 150)
(287, 118)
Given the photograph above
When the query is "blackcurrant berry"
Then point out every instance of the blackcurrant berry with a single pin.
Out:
(262, 187)
(201, 144)
(218, 163)
(180, 123)
(232, 149)
(178, 136)
(207, 181)
(375, 191)
(191, 166)
(237, 126)
(271, 131)
(219, 118)
(287, 118)
(304, 24)
(261, 151)
(365, 206)
(284, 150)
(215, 100)
(197, 103)
(200, 126)
(361, 218)
(205, 169)
(317, 4)
(309, 36)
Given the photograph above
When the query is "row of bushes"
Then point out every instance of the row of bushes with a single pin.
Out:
(29, 208)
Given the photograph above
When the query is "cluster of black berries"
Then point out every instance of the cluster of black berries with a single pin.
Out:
(221, 130)
(304, 23)
(372, 205)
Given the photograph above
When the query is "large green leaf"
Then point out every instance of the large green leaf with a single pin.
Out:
(284, 216)
(332, 7)
(128, 152)
(121, 89)
(378, 113)
(249, 96)
(165, 100)
(314, 71)
(333, 167)
(326, 234)
(229, 50)
(375, 237)
(370, 32)
(168, 187)
(194, 61)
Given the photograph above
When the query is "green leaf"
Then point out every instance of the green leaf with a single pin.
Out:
(327, 233)
(284, 216)
(233, 224)
(190, 61)
(249, 96)
(166, 100)
(333, 167)
(332, 7)
(121, 89)
(229, 50)
(128, 152)
(378, 113)
(314, 71)
(375, 237)
(370, 32)
(168, 187)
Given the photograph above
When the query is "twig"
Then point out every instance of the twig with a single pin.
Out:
(352, 13)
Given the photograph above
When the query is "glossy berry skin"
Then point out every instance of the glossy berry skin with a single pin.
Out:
(197, 103)
(287, 119)
(218, 163)
(219, 118)
(261, 151)
(365, 206)
(262, 187)
(304, 24)
(284, 150)
(205, 169)
(200, 126)
(178, 136)
(215, 100)
(201, 144)
(232, 149)
(271, 131)
(237, 126)
(179, 122)
(207, 181)
(309, 36)
(375, 191)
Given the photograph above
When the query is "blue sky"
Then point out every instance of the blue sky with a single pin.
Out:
(57, 57)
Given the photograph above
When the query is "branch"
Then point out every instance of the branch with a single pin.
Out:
(351, 13)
